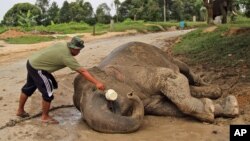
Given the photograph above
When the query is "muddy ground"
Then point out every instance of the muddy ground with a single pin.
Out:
(72, 128)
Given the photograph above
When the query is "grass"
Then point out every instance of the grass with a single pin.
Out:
(241, 22)
(65, 28)
(73, 27)
(29, 39)
(140, 26)
(3, 29)
(215, 49)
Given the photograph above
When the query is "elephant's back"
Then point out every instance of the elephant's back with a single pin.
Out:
(138, 54)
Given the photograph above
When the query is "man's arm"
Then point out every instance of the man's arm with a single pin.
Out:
(90, 78)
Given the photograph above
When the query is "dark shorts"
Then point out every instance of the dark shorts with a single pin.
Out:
(41, 80)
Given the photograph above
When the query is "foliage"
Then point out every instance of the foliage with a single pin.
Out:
(65, 28)
(152, 11)
(178, 10)
(73, 27)
(26, 19)
(203, 13)
(78, 11)
(11, 17)
(117, 5)
(3, 29)
(43, 5)
(146, 10)
(103, 13)
(241, 21)
(219, 49)
(247, 6)
(88, 13)
(29, 39)
(65, 14)
(53, 13)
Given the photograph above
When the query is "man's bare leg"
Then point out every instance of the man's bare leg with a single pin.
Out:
(22, 100)
(46, 118)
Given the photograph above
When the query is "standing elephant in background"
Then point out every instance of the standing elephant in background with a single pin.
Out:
(218, 9)
(150, 82)
(221, 8)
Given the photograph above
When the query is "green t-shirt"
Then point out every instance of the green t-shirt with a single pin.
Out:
(54, 58)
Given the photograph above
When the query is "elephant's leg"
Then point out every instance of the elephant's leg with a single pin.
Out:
(210, 91)
(161, 106)
(228, 107)
(192, 78)
(176, 87)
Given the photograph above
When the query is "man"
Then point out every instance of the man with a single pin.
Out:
(42, 64)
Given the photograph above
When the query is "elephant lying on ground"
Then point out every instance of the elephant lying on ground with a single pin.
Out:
(147, 81)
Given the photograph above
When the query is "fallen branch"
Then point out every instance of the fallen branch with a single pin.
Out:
(13, 122)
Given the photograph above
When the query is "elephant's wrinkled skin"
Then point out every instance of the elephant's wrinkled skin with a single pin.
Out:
(147, 81)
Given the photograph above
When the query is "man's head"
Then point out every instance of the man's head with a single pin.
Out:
(75, 45)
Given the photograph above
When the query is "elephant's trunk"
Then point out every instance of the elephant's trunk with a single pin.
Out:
(99, 116)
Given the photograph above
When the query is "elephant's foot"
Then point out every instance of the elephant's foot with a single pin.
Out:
(208, 112)
(211, 91)
(230, 107)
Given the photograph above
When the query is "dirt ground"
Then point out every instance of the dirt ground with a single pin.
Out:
(72, 128)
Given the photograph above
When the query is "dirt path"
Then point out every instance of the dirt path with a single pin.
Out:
(71, 127)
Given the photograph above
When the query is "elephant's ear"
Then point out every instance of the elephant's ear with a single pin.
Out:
(100, 117)
(81, 88)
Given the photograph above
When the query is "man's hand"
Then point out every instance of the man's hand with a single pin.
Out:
(100, 86)
(90, 78)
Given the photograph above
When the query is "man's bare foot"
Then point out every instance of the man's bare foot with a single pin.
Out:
(49, 120)
(22, 114)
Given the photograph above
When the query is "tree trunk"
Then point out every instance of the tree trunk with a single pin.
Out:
(209, 5)
(94, 30)
(135, 17)
(164, 11)
(223, 8)
(117, 18)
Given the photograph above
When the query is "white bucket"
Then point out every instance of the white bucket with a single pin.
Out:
(111, 95)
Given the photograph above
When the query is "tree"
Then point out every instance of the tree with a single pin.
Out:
(247, 13)
(117, 4)
(164, 11)
(81, 11)
(209, 6)
(43, 5)
(177, 10)
(77, 11)
(200, 10)
(103, 13)
(53, 13)
(65, 14)
(137, 7)
(189, 9)
(244, 4)
(152, 11)
(203, 13)
(124, 10)
(88, 13)
(11, 17)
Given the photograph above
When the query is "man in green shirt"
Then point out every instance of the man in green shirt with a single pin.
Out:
(42, 64)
